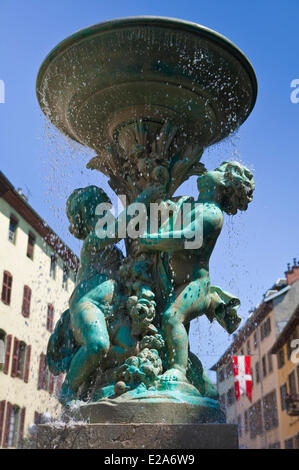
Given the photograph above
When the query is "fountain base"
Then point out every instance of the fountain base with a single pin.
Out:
(137, 436)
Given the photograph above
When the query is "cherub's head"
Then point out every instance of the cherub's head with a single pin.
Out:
(232, 184)
(81, 207)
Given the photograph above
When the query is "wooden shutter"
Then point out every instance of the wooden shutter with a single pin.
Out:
(15, 357)
(2, 411)
(21, 426)
(6, 287)
(59, 381)
(26, 301)
(27, 364)
(50, 318)
(51, 384)
(41, 374)
(7, 425)
(7, 354)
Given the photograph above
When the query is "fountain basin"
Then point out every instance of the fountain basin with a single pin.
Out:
(105, 77)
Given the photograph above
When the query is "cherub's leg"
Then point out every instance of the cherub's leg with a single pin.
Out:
(188, 303)
(90, 329)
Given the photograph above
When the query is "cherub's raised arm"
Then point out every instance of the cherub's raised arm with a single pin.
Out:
(100, 238)
(175, 240)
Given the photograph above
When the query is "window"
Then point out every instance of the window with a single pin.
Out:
(229, 370)
(270, 363)
(221, 375)
(30, 245)
(46, 380)
(248, 348)
(246, 421)
(288, 443)
(53, 266)
(255, 419)
(65, 276)
(6, 288)
(230, 396)
(222, 401)
(270, 411)
(26, 301)
(11, 426)
(240, 426)
(255, 340)
(280, 358)
(283, 394)
(257, 372)
(264, 365)
(292, 383)
(275, 445)
(50, 318)
(265, 328)
(12, 230)
(20, 360)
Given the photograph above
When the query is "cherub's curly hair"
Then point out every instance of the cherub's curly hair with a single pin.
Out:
(81, 206)
(237, 187)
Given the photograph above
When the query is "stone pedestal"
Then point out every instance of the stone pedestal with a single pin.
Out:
(137, 436)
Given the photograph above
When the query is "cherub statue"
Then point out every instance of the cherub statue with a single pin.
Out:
(94, 325)
(95, 298)
(226, 189)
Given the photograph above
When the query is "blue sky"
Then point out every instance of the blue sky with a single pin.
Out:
(255, 247)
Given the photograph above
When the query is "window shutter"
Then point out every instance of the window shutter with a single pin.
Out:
(2, 411)
(22, 422)
(7, 354)
(50, 318)
(7, 424)
(6, 287)
(26, 301)
(27, 365)
(15, 356)
(59, 381)
(41, 374)
(51, 384)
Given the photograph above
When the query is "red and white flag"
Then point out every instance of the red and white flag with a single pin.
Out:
(242, 376)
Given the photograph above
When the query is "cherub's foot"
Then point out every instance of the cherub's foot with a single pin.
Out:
(174, 375)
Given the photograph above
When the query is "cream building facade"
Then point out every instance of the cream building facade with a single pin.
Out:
(259, 421)
(37, 275)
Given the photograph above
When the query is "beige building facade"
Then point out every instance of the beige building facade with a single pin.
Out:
(37, 275)
(259, 421)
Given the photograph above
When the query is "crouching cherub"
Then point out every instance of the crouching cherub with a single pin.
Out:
(226, 189)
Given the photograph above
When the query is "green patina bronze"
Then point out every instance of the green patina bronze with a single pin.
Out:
(148, 94)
